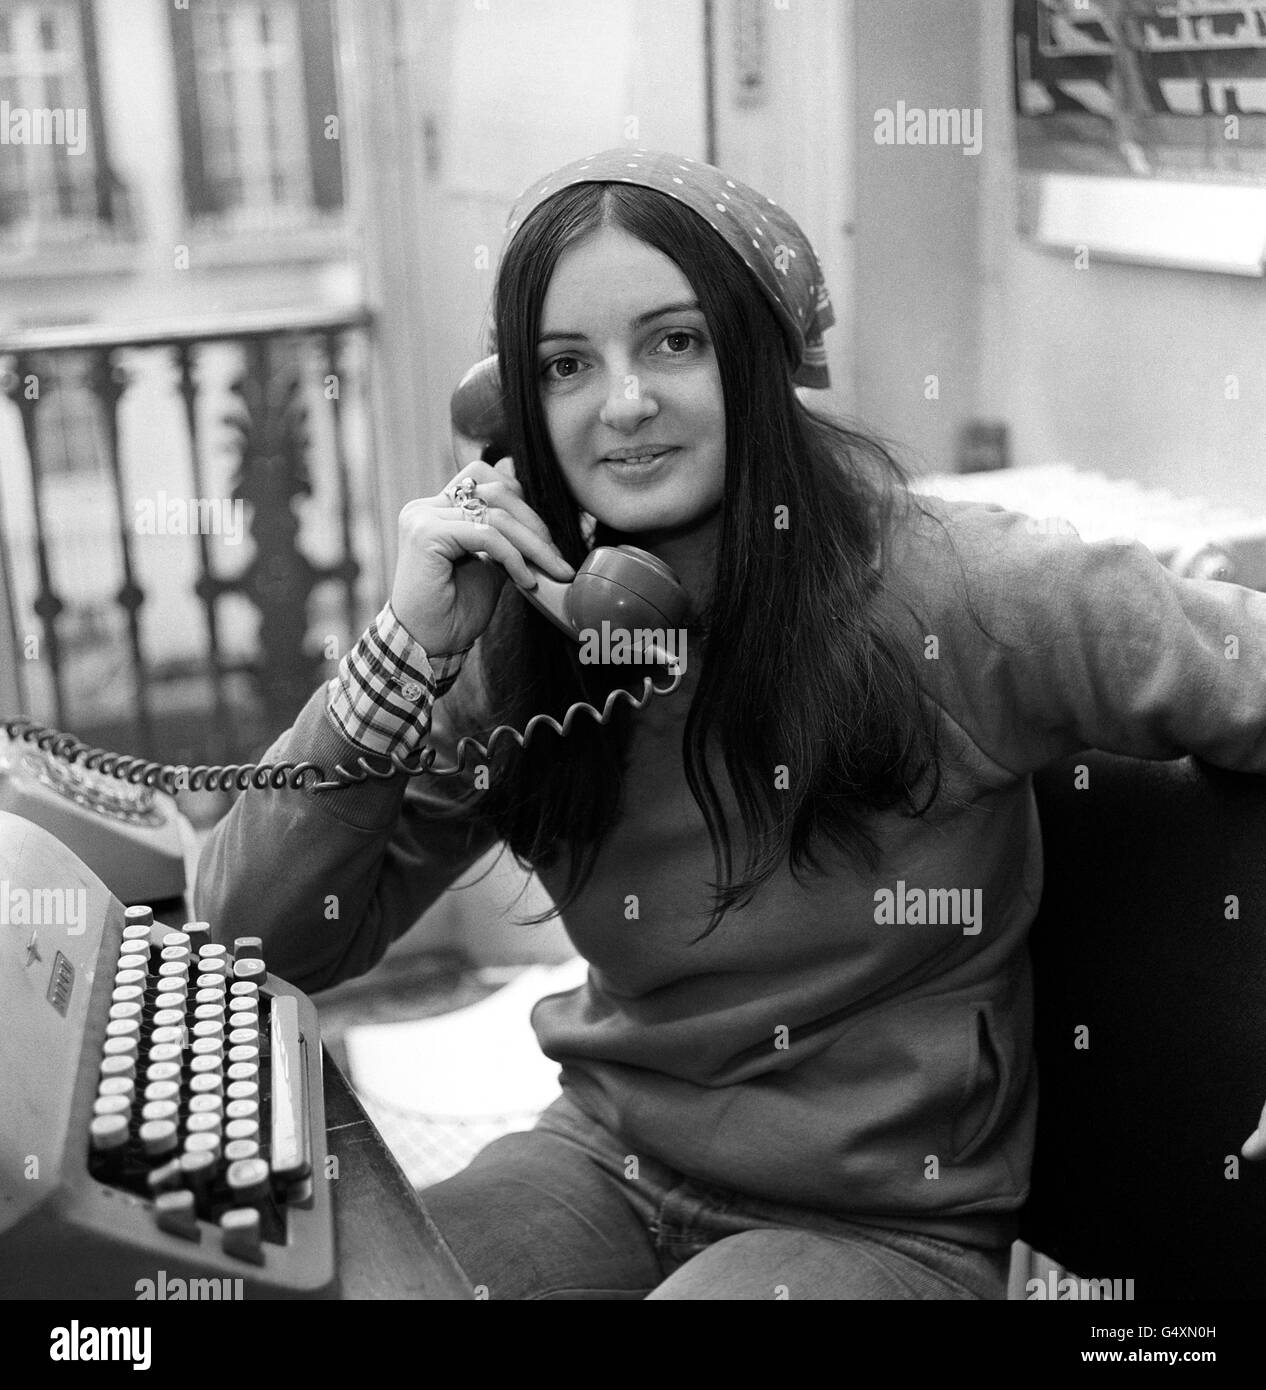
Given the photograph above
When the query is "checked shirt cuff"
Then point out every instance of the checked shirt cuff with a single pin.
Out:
(382, 696)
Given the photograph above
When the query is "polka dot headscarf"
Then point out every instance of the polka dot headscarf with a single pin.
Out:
(769, 242)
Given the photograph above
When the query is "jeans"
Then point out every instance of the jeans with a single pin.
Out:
(562, 1211)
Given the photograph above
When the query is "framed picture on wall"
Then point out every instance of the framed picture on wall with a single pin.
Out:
(1141, 129)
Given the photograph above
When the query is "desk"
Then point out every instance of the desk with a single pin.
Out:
(386, 1244)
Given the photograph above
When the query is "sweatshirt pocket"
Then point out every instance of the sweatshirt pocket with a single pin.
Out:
(986, 1088)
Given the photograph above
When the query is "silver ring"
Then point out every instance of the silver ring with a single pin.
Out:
(460, 490)
(474, 509)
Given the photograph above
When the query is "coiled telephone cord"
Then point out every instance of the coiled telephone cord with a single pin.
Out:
(240, 776)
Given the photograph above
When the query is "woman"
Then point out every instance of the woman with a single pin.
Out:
(800, 1066)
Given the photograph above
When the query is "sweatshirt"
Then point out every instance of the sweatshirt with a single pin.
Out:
(854, 1042)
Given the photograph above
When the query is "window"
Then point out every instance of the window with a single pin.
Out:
(53, 166)
(258, 88)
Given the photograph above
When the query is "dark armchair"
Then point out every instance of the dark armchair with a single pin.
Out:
(1138, 1130)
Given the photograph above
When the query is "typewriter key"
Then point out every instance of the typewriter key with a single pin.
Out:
(174, 1212)
(108, 1133)
(203, 1143)
(240, 1234)
(168, 1178)
(158, 1137)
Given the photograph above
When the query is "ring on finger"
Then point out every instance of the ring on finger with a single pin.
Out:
(460, 490)
(474, 509)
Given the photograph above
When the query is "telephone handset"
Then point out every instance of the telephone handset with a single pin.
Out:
(72, 789)
(621, 585)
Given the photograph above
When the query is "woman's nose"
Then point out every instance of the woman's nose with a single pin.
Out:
(627, 404)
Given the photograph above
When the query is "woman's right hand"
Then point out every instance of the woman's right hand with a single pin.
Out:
(443, 593)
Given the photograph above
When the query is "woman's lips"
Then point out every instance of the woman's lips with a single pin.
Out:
(638, 468)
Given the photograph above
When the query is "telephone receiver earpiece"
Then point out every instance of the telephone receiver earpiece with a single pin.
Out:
(621, 585)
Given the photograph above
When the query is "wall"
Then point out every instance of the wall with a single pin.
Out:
(1120, 368)
(916, 303)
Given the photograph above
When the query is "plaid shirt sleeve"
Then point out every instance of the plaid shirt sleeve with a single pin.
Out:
(382, 696)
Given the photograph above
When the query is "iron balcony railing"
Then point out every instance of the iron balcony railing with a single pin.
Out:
(185, 518)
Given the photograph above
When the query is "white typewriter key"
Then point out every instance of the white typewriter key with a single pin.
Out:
(129, 977)
(160, 1110)
(240, 1234)
(237, 1149)
(240, 1036)
(205, 1105)
(247, 1180)
(112, 1105)
(118, 1066)
(198, 1169)
(121, 1047)
(211, 972)
(174, 970)
(212, 950)
(203, 1144)
(108, 1132)
(128, 994)
(128, 1008)
(243, 1090)
(198, 932)
(211, 994)
(250, 969)
(210, 980)
(172, 937)
(207, 1064)
(174, 1034)
(137, 929)
(208, 1028)
(212, 1009)
(157, 1072)
(123, 1028)
(248, 946)
(131, 962)
(208, 1047)
(206, 1083)
(140, 915)
(175, 1212)
(165, 1052)
(162, 1090)
(158, 1137)
(242, 1129)
(168, 1018)
(204, 1122)
(170, 952)
(244, 1052)
(244, 1071)
(168, 998)
(244, 1020)
(245, 989)
(117, 1086)
(168, 1178)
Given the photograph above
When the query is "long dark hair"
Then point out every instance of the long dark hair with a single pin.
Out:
(813, 701)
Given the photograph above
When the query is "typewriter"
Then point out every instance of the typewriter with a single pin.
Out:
(161, 1107)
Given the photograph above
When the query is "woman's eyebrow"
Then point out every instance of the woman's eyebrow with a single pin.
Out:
(685, 306)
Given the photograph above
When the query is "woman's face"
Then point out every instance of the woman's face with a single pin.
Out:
(630, 386)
